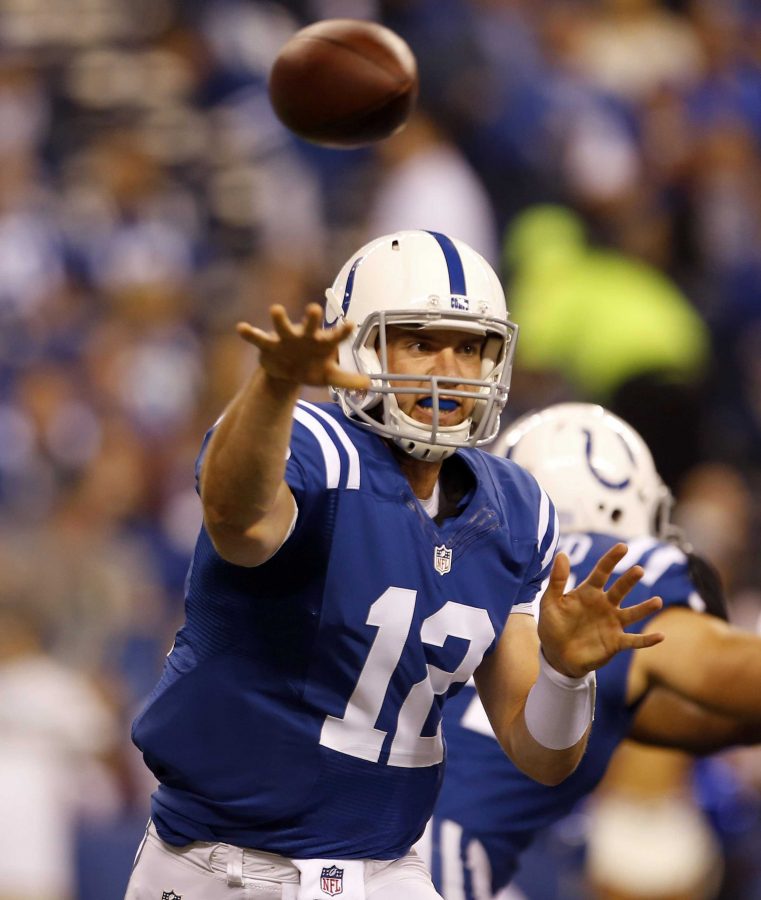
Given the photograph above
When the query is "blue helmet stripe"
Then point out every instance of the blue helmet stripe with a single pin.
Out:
(347, 294)
(350, 285)
(454, 263)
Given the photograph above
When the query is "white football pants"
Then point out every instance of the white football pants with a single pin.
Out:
(204, 871)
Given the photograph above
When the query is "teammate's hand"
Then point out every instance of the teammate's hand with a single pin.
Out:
(583, 629)
(303, 353)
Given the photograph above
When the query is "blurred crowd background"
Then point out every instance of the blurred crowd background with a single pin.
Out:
(605, 155)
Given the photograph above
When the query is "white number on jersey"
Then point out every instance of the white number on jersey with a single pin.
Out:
(355, 733)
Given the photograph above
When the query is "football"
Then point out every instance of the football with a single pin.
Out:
(344, 83)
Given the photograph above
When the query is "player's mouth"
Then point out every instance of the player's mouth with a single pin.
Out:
(444, 405)
(447, 408)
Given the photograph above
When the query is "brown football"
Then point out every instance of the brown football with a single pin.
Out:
(344, 83)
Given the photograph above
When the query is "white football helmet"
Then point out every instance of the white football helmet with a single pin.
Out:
(418, 280)
(596, 468)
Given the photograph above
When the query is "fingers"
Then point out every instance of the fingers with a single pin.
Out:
(280, 321)
(641, 611)
(340, 332)
(561, 569)
(640, 641)
(257, 337)
(599, 576)
(252, 335)
(621, 586)
(352, 381)
(310, 327)
(312, 320)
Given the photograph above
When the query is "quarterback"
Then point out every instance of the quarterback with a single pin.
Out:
(359, 562)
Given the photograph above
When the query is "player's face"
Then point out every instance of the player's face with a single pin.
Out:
(454, 354)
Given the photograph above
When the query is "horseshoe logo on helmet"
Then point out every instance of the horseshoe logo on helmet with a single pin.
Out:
(613, 485)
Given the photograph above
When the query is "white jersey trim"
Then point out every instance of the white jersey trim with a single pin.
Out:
(329, 452)
(555, 533)
(661, 561)
(353, 478)
(637, 549)
(526, 608)
(544, 517)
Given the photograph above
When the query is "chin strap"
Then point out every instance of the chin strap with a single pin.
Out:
(422, 447)
(423, 450)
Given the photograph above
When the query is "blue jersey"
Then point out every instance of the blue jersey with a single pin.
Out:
(485, 798)
(299, 710)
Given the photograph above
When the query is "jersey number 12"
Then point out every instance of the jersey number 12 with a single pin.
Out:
(392, 613)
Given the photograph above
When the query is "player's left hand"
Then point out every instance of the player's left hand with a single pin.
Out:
(583, 629)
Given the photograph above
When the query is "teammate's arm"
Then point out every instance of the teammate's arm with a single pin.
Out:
(707, 661)
(540, 707)
(248, 507)
(665, 719)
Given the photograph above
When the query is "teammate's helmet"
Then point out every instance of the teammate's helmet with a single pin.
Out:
(419, 280)
(597, 469)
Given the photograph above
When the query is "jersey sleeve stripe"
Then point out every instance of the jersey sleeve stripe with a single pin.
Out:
(544, 517)
(547, 527)
(526, 608)
(201, 457)
(353, 478)
(553, 543)
(329, 451)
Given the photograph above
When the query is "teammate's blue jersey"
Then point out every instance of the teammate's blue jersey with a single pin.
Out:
(299, 710)
(484, 796)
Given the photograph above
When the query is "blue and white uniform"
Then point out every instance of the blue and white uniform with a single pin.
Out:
(488, 811)
(299, 710)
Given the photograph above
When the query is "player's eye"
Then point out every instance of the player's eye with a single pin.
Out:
(472, 348)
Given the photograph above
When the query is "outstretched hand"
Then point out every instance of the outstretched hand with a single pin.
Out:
(304, 353)
(583, 629)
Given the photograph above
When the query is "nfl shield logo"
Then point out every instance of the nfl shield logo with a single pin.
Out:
(170, 895)
(442, 559)
(332, 881)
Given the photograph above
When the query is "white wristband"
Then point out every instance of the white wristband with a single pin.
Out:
(559, 709)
